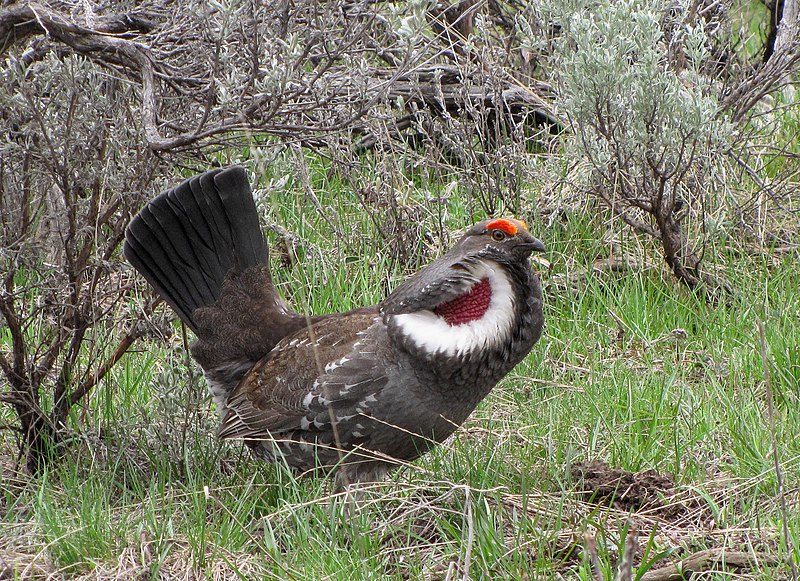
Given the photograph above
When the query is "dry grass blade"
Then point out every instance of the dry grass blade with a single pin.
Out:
(625, 572)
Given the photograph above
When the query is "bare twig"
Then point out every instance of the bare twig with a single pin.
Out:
(768, 77)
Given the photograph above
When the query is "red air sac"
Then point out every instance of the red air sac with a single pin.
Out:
(470, 306)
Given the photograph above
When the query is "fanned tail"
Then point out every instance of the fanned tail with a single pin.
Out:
(185, 241)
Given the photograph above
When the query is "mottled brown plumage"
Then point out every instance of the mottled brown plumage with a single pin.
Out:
(356, 392)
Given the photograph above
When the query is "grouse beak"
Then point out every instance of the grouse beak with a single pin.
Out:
(534, 245)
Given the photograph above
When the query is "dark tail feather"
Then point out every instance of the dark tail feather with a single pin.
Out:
(187, 239)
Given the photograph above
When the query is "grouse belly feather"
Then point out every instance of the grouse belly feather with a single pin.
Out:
(357, 392)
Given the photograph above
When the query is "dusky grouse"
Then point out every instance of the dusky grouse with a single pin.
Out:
(358, 392)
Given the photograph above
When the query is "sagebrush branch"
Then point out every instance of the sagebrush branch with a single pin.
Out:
(328, 99)
(21, 21)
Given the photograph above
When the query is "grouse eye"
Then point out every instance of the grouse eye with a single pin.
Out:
(498, 235)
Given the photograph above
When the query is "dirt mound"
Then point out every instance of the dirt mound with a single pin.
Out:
(620, 489)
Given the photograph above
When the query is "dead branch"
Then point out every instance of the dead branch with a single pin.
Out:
(96, 44)
(765, 79)
(708, 561)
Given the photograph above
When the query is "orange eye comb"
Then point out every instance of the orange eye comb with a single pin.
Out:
(505, 225)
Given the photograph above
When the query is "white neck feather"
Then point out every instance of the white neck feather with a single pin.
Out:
(433, 334)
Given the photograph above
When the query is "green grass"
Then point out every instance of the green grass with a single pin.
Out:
(633, 371)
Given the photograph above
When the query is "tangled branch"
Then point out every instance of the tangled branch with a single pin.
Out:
(187, 97)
